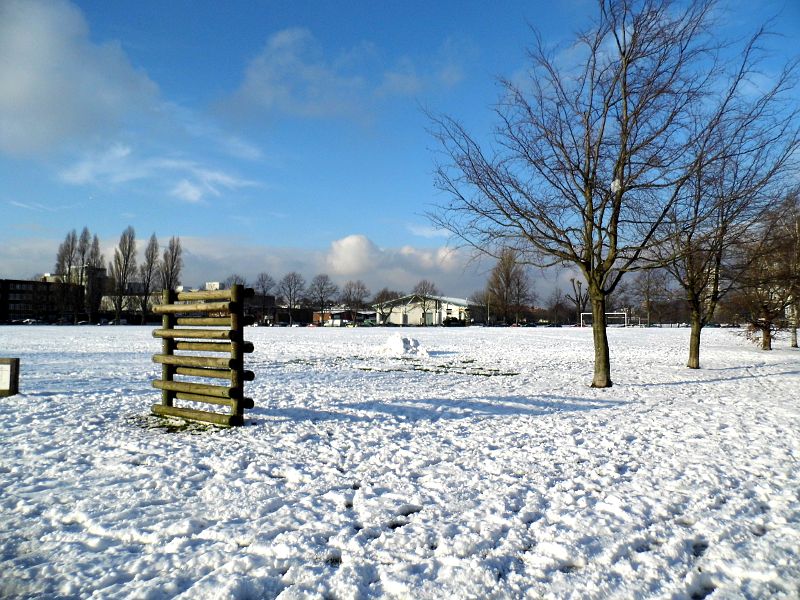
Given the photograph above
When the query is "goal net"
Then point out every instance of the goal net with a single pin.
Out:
(613, 319)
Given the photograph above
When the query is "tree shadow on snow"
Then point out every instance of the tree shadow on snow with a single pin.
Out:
(434, 409)
(492, 406)
(714, 379)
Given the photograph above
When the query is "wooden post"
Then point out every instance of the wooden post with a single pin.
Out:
(167, 349)
(237, 373)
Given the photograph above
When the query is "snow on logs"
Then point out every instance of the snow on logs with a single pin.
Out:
(222, 309)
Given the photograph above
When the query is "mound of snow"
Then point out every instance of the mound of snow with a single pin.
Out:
(399, 345)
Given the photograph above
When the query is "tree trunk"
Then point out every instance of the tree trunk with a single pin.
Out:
(602, 359)
(795, 319)
(694, 340)
(766, 338)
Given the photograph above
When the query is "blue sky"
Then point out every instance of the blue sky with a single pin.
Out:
(269, 136)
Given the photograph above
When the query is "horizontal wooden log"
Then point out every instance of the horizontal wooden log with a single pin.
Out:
(214, 373)
(197, 334)
(203, 398)
(204, 321)
(199, 307)
(205, 295)
(195, 361)
(204, 346)
(247, 347)
(201, 416)
(204, 389)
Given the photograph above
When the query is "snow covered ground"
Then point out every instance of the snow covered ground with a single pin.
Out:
(475, 464)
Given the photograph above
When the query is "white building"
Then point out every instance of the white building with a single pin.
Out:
(415, 310)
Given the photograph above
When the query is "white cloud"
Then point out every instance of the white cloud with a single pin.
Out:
(55, 84)
(293, 76)
(188, 191)
(403, 80)
(353, 255)
(426, 231)
(357, 257)
(186, 180)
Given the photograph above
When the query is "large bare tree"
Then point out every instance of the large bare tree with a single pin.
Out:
(263, 286)
(321, 291)
(590, 155)
(291, 287)
(148, 273)
(508, 286)
(123, 268)
(354, 295)
(765, 289)
(743, 147)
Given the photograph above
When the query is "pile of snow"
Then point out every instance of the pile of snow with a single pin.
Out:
(400, 345)
(358, 477)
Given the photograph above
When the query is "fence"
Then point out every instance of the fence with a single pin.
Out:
(210, 321)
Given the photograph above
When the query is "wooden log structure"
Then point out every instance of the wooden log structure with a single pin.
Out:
(195, 313)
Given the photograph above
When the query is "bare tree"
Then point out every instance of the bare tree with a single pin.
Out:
(82, 253)
(122, 268)
(508, 286)
(384, 303)
(235, 279)
(557, 307)
(148, 272)
(766, 285)
(790, 224)
(354, 295)
(590, 157)
(66, 261)
(481, 304)
(95, 279)
(172, 264)
(321, 292)
(427, 292)
(263, 286)
(742, 145)
(651, 287)
(579, 298)
(291, 287)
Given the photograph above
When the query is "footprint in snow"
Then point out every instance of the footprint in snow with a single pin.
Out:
(699, 548)
(403, 514)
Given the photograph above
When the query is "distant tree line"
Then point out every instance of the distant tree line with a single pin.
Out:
(131, 287)
(321, 295)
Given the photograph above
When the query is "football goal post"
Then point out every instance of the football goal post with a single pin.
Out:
(613, 319)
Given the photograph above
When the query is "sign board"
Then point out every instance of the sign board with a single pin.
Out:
(9, 376)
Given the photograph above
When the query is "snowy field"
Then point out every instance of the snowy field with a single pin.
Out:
(477, 465)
